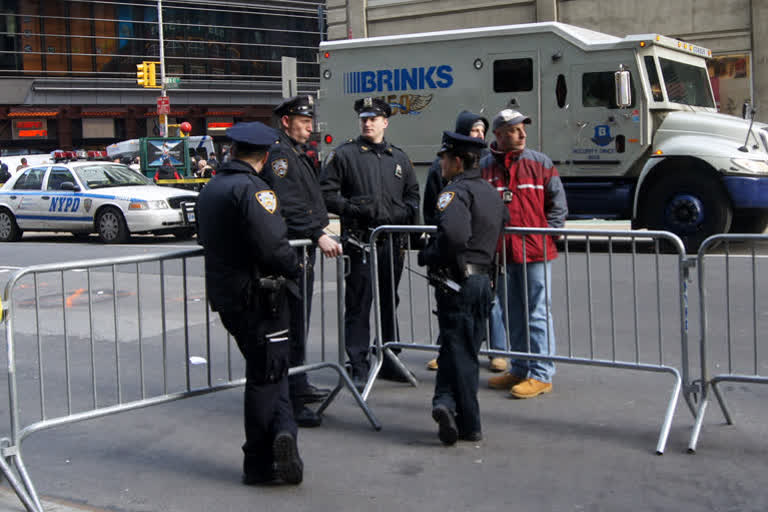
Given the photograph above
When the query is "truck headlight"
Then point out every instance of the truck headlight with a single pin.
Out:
(750, 166)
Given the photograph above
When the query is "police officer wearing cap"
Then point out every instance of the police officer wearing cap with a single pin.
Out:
(368, 183)
(292, 175)
(249, 266)
(470, 219)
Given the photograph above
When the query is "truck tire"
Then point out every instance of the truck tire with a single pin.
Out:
(689, 205)
(9, 230)
(111, 226)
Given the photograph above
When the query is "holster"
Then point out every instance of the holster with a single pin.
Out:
(271, 348)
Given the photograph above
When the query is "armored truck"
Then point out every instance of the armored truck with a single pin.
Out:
(665, 159)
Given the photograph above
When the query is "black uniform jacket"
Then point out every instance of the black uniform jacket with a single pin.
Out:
(432, 188)
(291, 173)
(377, 178)
(470, 219)
(242, 232)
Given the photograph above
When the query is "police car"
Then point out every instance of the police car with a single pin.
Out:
(86, 197)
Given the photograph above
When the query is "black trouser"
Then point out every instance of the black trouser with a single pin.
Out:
(359, 297)
(462, 318)
(267, 406)
(300, 322)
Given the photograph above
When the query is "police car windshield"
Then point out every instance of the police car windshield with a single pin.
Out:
(109, 175)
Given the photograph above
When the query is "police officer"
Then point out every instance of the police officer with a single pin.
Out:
(369, 182)
(470, 219)
(292, 175)
(248, 264)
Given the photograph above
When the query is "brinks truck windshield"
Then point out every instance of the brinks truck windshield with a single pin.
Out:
(658, 154)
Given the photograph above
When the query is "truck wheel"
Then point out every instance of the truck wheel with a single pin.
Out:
(9, 230)
(111, 227)
(689, 205)
(749, 223)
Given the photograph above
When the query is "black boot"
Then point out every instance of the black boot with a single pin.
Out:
(306, 417)
(288, 465)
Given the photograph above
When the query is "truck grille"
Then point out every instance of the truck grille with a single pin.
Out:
(175, 202)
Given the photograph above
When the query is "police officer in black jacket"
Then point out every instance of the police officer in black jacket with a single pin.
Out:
(248, 267)
(368, 183)
(467, 123)
(470, 219)
(292, 174)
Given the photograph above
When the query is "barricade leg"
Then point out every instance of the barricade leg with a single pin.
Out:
(721, 401)
(697, 425)
(24, 488)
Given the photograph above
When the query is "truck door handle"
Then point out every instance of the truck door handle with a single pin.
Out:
(582, 124)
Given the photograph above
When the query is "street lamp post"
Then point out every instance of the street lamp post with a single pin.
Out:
(164, 117)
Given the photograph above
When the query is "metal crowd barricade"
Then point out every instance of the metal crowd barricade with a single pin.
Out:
(731, 343)
(636, 329)
(80, 346)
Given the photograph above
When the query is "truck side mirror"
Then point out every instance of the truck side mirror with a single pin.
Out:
(623, 90)
(745, 108)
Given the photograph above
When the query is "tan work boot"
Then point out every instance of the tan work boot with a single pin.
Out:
(432, 365)
(498, 364)
(530, 388)
(505, 381)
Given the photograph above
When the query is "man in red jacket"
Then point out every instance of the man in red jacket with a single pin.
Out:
(535, 198)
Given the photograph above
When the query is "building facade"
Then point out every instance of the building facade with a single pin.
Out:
(735, 30)
(68, 68)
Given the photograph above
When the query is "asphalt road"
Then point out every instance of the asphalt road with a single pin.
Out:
(589, 446)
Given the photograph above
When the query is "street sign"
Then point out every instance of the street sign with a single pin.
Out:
(163, 105)
(172, 82)
(289, 77)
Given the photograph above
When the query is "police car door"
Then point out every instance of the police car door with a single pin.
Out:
(30, 207)
(64, 206)
(515, 85)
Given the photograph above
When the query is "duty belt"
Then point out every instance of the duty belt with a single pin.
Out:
(471, 269)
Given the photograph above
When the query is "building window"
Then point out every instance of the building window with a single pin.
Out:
(731, 77)
(513, 75)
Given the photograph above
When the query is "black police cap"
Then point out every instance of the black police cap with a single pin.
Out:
(303, 105)
(254, 134)
(457, 143)
(372, 107)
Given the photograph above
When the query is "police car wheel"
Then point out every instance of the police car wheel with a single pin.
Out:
(9, 230)
(111, 227)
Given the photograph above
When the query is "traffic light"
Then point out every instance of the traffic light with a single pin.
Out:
(146, 75)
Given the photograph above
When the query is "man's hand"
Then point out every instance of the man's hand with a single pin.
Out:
(330, 247)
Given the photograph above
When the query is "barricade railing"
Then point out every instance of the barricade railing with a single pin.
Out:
(637, 279)
(92, 338)
(732, 346)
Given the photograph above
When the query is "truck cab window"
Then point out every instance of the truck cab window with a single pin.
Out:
(598, 90)
(512, 75)
(653, 78)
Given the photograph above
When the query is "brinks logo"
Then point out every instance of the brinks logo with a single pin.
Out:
(403, 79)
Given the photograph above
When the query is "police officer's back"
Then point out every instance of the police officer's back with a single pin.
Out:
(247, 258)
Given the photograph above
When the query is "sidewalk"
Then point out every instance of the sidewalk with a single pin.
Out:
(9, 502)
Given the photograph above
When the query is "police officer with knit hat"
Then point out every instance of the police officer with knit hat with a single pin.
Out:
(368, 183)
(470, 219)
(248, 264)
(292, 175)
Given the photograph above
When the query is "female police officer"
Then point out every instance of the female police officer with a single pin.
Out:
(247, 261)
(470, 219)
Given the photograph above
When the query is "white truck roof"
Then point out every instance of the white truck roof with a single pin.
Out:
(582, 37)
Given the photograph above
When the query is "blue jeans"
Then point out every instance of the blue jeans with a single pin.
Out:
(498, 332)
(539, 316)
